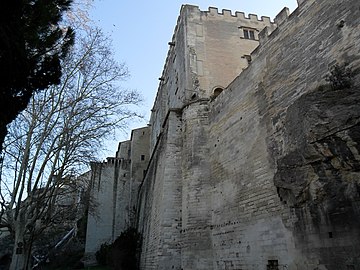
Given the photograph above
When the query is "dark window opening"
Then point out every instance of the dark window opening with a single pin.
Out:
(246, 34)
(217, 92)
(252, 35)
(272, 265)
(142, 157)
(249, 34)
(330, 235)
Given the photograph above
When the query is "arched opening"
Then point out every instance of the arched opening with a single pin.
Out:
(217, 91)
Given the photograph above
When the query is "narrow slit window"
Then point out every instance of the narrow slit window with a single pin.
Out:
(252, 35)
(246, 34)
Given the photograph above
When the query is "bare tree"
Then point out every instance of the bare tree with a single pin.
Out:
(60, 132)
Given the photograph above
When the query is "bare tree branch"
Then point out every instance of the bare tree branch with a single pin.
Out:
(59, 133)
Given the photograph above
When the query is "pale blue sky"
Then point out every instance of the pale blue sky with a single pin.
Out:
(141, 30)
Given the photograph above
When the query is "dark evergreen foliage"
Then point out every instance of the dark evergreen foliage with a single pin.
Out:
(32, 43)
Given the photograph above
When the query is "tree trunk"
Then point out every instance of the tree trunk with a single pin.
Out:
(19, 257)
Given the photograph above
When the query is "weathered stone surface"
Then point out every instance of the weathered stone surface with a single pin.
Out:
(114, 193)
(320, 176)
(160, 200)
(264, 175)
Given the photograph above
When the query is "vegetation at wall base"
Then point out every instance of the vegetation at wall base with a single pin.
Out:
(123, 254)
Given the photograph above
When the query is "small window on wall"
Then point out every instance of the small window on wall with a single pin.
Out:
(249, 34)
(272, 265)
(142, 157)
(217, 91)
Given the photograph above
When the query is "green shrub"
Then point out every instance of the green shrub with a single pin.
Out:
(340, 77)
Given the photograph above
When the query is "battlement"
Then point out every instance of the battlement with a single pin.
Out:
(239, 15)
(281, 18)
(112, 161)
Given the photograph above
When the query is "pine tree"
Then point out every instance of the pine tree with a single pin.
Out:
(32, 43)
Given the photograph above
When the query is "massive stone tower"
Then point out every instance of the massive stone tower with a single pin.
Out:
(207, 51)
(253, 156)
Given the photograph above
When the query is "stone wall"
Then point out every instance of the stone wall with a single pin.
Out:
(114, 191)
(174, 197)
(140, 155)
(284, 148)
(159, 207)
(100, 224)
(207, 51)
(264, 175)
(269, 168)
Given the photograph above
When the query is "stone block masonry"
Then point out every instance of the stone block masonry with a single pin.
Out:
(114, 193)
(253, 157)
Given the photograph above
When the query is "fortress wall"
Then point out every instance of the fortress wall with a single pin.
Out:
(267, 173)
(160, 200)
(268, 138)
(196, 251)
(147, 216)
(175, 71)
(122, 203)
(172, 85)
(247, 228)
(124, 150)
(158, 115)
(139, 158)
(100, 222)
(110, 194)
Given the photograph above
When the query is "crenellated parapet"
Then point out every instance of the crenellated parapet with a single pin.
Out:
(112, 161)
(282, 16)
(280, 19)
(238, 15)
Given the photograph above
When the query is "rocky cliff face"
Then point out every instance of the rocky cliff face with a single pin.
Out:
(318, 171)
